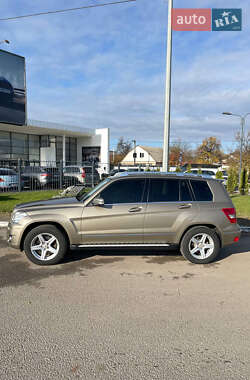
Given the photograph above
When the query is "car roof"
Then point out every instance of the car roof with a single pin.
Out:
(162, 174)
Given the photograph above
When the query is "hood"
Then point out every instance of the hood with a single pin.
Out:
(49, 203)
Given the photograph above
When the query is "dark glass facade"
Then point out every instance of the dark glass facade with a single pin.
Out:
(19, 145)
(27, 147)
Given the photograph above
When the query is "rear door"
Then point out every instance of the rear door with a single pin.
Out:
(170, 207)
(120, 219)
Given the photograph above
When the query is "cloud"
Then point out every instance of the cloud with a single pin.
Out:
(105, 67)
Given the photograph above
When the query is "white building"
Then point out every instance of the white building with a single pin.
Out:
(144, 155)
(45, 142)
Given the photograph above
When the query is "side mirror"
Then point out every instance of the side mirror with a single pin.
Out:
(98, 202)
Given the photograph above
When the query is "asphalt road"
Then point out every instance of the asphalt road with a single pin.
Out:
(125, 316)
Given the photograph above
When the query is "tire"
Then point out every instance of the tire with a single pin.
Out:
(209, 245)
(48, 253)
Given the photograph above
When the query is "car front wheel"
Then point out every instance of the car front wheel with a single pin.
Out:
(200, 245)
(45, 245)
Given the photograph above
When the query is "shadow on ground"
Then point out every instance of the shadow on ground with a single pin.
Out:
(16, 270)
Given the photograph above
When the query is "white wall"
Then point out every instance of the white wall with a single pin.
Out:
(101, 139)
(129, 159)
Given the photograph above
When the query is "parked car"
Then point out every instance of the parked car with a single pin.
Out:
(115, 171)
(35, 177)
(206, 172)
(80, 175)
(8, 179)
(132, 210)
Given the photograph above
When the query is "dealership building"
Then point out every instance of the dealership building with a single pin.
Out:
(46, 142)
(36, 142)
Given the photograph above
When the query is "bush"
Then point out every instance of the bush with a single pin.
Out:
(189, 169)
(219, 175)
(178, 169)
(199, 171)
(232, 180)
(243, 181)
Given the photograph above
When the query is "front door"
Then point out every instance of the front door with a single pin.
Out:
(120, 219)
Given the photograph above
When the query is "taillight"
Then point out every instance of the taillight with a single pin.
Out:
(230, 214)
(83, 173)
(1, 180)
(45, 175)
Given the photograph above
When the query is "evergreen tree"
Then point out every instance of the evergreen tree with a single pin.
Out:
(243, 181)
(232, 180)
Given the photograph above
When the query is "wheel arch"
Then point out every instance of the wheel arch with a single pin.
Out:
(37, 224)
(211, 226)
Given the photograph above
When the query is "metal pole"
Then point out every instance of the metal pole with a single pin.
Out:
(242, 122)
(168, 91)
(134, 141)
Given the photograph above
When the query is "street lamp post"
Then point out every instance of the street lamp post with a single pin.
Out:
(134, 154)
(242, 124)
(165, 163)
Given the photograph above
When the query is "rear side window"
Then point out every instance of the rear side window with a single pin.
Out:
(201, 191)
(185, 193)
(164, 190)
(125, 191)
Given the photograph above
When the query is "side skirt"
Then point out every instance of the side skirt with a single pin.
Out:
(121, 245)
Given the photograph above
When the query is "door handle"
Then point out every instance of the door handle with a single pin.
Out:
(185, 205)
(135, 209)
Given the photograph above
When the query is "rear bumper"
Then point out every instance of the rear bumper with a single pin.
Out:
(229, 236)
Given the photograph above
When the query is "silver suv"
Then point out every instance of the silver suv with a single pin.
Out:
(131, 210)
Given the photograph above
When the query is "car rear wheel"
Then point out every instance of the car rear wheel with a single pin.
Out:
(45, 245)
(200, 245)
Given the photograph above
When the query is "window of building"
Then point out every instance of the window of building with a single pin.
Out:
(141, 155)
(71, 149)
(59, 148)
(34, 148)
(164, 190)
(201, 191)
(19, 146)
(5, 145)
(125, 191)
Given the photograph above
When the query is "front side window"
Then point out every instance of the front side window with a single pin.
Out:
(164, 190)
(201, 191)
(124, 191)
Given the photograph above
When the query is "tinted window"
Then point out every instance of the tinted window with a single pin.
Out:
(201, 191)
(7, 172)
(185, 193)
(164, 190)
(72, 170)
(125, 191)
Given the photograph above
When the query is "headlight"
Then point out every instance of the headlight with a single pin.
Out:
(17, 216)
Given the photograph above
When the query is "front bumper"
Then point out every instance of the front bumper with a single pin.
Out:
(14, 234)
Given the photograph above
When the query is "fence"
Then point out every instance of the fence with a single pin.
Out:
(19, 175)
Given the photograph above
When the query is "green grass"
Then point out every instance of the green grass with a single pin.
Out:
(242, 205)
(9, 200)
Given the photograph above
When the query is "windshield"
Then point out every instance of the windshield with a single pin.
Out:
(83, 196)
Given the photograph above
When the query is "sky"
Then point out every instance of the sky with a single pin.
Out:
(105, 67)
